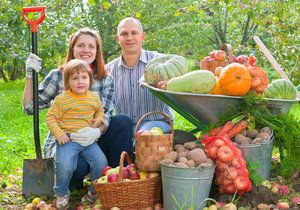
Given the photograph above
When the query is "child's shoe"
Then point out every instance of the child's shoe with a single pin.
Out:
(62, 202)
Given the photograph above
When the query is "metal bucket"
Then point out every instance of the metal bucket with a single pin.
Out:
(261, 154)
(184, 188)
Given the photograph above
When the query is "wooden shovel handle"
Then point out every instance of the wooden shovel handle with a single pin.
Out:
(269, 56)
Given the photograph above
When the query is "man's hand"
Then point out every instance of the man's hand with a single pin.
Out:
(33, 62)
(63, 139)
(86, 136)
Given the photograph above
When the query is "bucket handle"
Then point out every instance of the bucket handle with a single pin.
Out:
(168, 119)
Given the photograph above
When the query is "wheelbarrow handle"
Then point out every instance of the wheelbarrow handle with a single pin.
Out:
(33, 23)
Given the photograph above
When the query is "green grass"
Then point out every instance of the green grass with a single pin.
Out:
(16, 128)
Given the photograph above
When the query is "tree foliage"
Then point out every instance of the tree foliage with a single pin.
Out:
(189, 28)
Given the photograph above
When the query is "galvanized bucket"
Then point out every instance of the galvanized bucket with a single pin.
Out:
(185, 188)
(261, 154)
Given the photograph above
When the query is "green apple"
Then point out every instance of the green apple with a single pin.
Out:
(102, 179)
(156, 131)
(113, 171)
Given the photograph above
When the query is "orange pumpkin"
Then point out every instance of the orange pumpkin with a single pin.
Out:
(235, 80)
(217, 89)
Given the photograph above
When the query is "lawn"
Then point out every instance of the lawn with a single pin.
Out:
(16, 135)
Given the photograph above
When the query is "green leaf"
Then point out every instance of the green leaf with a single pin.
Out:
(106, 5)
(91, 2)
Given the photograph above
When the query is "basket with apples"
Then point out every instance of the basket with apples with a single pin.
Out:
(127, 187)
(152, 145)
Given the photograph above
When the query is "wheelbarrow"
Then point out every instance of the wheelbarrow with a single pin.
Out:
(202, 109)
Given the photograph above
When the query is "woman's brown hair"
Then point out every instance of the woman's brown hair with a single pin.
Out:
(100, 71)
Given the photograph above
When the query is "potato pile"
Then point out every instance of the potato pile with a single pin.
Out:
(188, 155)
(253, 136)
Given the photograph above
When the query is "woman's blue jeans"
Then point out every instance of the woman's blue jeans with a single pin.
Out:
(117, 138)
(66, 163)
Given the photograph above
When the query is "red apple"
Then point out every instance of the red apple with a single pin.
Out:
(126, 173)
(104, 170)
(112, 177)
(206, 58)
(131, 167)
(134, 176)
(212, 54)
(162, 85)
(225, 154)
(283, 205)
(242, 59)
(220, 55)
(80, 207)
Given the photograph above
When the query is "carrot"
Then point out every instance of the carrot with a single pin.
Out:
(227, 126)
(239, 127)
(215, 131)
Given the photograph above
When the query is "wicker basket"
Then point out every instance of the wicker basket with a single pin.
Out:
(151, 149)
(212, 65)
(129, 195)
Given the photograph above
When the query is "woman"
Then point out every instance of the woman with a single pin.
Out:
(85, 44)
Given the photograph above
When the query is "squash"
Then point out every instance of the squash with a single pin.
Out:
(235, 80)
(282, 89)
(165, 67)
(197, 81)
(217, 89)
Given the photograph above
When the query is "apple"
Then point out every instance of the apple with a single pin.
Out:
(212, 207)
(230, 206)
(113, 171)
(143, 175)
(242, 59)
(225, 154)
(102, 179)
(206, 58)
(104, 170)
(283, 205)
(112, 177)
(220, 55)
(162, 85)
(131, 167)
(134, 176)
(146, 133)
(152, 174)
(80, 207)
(156, 131)
(125, 173)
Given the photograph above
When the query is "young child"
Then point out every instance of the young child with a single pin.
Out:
(70, 112)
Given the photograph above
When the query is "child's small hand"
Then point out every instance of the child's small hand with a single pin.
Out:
(96, 123)
(63, 139)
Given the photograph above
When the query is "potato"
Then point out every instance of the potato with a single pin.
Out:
(264, 136)
(167, 161)
(191, 163)
(241, 139)
(198, 155)
(266, 130)
(252, 133)
(181, 165)
(190, 145)
(257, 140)
(182, 154)
(171, 155)
(183, 160)
(179, 148)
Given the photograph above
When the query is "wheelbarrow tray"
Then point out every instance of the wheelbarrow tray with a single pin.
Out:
(202, 109)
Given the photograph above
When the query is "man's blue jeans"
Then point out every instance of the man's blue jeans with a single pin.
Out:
(66, 163)
(117, 138)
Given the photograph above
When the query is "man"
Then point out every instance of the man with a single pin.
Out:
(132, 99)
